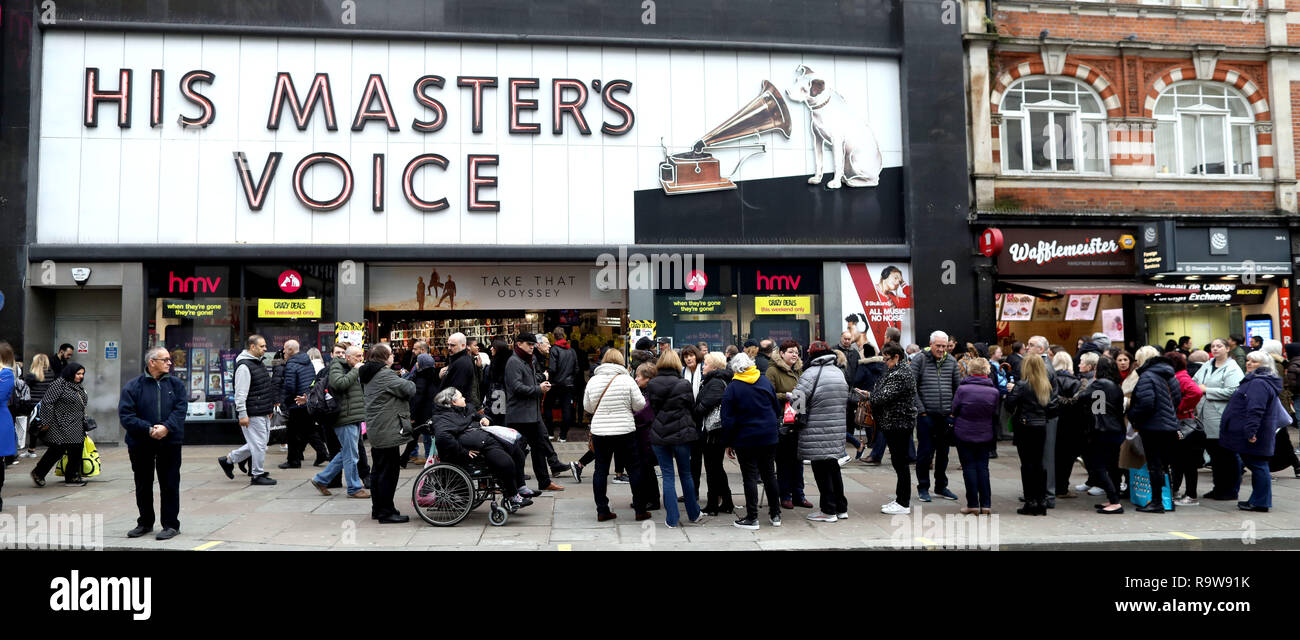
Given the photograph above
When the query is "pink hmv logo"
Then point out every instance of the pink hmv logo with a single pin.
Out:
(176, 284)
(290, 281)
(777, 283)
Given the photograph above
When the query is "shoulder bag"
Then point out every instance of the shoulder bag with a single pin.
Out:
(800, 418)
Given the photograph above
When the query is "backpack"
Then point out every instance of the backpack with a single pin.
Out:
(322, 406)
(20, 399)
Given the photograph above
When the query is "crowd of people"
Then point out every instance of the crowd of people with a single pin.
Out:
(771, 407)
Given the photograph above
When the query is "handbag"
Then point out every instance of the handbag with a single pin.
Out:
(1131, 455)
(863, 417)
(795, 421)
(88, 424)
(713, 420)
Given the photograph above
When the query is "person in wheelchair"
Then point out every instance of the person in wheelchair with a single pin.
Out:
(459, 439)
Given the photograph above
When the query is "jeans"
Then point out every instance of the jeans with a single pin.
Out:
(974, 457)
(719, 495)
(681, 454)
(932, 444)
(413, 447)
(830, 486)
(1187, 459)
(383, 481)
(164, 458)
(756, 462)
(850, 419)
(606, 448)
(789, 468)
(346, 461)
(535, 434)
(1261, 486)
(255, 437)
(1103, 468)
(302, 432)
(1033, 476)
(899, 440)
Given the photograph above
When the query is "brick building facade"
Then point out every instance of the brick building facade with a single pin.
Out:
(1124, 113)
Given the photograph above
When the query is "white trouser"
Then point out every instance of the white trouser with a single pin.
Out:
(255, 437)
(20, 430)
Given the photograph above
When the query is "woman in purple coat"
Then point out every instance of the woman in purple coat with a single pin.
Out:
(975, 407)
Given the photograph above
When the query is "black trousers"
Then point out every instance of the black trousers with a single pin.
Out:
(302, 432)
(830, 486)
(789, 468)
(561, 398)
(719, 495)
(383, 480)
(899, 441)
(149, 458)
(755, 463)
(1225, 474)
(1160, 448)
(71, 471)
(507, 465)
(535, 434)
(697, 464)
(1069, 443)
(606, 448)
(1033, 477)
(1103, 468)
(1188, 456)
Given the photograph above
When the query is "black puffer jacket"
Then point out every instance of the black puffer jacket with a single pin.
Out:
(1107, 426)
(936, 382)
(456, 432)
(1023, 404)
(712, 389)
(1076, 410)
(1154, 404)
(673, 402)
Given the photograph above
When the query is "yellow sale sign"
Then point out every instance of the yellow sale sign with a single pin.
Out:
(275, 308)
(769, 305)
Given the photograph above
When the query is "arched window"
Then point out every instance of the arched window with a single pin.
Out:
(1204, 129)
(1052, 124)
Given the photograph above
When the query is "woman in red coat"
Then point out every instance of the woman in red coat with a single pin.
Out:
(1191, 434)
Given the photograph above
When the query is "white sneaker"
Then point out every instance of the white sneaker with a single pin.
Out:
(845, 460)
(818, 516)
(561, 440)
(1082, 487)
(843, 516)
(1123, 486)
(1096, 491)
(895, 509)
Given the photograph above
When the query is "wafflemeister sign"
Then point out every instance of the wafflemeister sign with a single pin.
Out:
(1076, 252)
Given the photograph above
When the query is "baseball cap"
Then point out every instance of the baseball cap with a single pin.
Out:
(751, 343)
(664, 340)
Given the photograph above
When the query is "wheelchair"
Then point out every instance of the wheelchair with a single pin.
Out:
(444, 494)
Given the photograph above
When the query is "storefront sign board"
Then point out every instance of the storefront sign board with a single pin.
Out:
(876, 297)
(278, 308)
(771, 305)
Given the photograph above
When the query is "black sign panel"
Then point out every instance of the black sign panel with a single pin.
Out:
(1221, 250)
(1066, 252)
(779, 279)
(775, 211)
(1157, 242)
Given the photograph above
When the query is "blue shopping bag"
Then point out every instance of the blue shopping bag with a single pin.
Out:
(1139, 487)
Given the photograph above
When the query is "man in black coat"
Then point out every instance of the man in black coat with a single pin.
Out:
(298, 376)
(523, 407)
(459, 372)
(152, 410)
(564, 376)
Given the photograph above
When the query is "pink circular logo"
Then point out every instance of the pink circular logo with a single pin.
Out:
(290, 281)
(697, 281)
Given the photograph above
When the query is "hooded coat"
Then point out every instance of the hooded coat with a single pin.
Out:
(63, 410)
(1155, 399)
(344, 382)
(639, 357)
(456, 432)
(1250, 414)
(783, 377)
(388, 409)
(823, 437)
(1220, 382)
(751, 414)
(712, 390)
(673, 403)
(614, 414)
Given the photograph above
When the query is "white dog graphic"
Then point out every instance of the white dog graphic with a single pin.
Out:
(853, 145)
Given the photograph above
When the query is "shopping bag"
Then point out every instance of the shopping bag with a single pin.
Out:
(1131, 455)
(1139, 487)
(90, 465)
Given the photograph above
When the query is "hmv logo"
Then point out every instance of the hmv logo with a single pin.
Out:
(177, 284)
(777, 283)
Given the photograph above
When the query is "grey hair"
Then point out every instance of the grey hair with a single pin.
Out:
(741, 362)
(446, 397)
(938, 335)
(1272, 347)
(314, 354)
(1264, 361)
(1091, 358)
(149, 353)
(1039, 341)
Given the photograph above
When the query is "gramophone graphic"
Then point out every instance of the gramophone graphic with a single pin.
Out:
(696, 171)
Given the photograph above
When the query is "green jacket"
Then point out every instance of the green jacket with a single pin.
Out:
(345, 384)
(388, 406)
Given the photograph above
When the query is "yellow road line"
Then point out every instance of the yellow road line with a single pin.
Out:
(1180, 534)
(928, 542)
(206, 545)
(564, 547)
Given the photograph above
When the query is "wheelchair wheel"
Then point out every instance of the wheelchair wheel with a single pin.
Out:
(498, 516)
(443, 494)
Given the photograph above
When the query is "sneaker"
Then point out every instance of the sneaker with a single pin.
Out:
(1096, 491)
(775, 520)
(700, 518)
(226, 467)
(945, 493)
(843, 516)
(818, 516)
(284, 447)
(621, 479)
(263, 480)
(561, 440)
(746, 523)
(1186, 501)
(895, 509)
(845, 460)
(576, 469)
(923, 495)
(1081, 488)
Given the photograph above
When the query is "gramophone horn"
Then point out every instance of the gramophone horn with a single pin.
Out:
(764, 113)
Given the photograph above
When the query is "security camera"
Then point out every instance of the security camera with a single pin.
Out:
(81, 275)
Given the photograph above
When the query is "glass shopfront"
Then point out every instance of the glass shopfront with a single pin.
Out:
(776, 301)
(202, 313)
